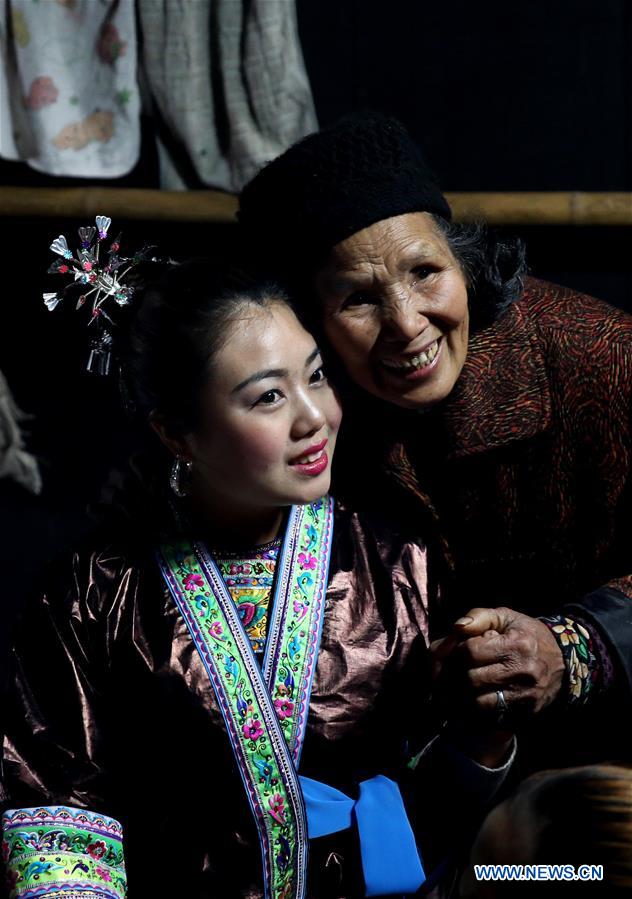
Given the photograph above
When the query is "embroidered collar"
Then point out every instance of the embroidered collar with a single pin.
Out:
(249, 552)
(264, 707)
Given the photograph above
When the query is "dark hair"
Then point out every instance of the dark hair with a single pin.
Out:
(177, 323)
(598, 798)
(577, 816)
(494, 265)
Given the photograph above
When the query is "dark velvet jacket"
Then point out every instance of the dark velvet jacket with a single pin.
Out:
(525, 468)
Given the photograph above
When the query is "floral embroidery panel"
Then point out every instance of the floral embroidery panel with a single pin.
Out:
(249, 577)
(61, 851)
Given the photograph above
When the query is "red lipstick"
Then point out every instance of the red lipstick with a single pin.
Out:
(312, 469)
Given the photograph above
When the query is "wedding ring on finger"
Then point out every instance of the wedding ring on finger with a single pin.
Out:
(502, 708)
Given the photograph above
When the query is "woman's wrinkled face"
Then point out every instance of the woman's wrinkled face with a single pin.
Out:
(270, 417)
(395, 310)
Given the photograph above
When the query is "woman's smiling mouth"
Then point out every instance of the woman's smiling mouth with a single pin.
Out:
(313, 461)
(415, 366)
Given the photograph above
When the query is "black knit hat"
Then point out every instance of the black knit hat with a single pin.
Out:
(336, 182)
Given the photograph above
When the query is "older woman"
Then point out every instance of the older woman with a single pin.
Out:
(522, 453)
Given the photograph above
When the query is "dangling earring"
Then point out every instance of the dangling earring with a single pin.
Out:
(175, 480)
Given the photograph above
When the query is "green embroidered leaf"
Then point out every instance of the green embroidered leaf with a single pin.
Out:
(582, 651)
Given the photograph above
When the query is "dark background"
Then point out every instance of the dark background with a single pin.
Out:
(503, 96)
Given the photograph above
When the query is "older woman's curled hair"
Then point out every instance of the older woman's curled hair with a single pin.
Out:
(494, 265)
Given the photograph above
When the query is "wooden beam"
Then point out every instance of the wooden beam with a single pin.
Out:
(540, 208)
(506, 208)
(118, 203)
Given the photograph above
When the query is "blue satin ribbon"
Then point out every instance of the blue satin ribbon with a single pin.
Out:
(390, 860)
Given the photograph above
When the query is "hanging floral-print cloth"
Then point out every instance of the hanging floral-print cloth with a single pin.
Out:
(225, 77)
(69, 101)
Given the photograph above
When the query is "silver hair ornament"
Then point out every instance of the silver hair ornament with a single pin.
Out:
(104, 280)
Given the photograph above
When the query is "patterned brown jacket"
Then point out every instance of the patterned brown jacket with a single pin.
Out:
(526, 465)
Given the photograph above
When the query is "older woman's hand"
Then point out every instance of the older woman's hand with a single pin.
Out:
(493, 650)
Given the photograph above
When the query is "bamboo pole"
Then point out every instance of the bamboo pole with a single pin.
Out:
(539, 208)
(119, 203)
(507, 208)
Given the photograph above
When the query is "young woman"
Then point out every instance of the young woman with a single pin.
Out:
(241, 669)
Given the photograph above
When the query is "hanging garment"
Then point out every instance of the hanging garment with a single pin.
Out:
(225, 78)
(229, 81)
(69, 99)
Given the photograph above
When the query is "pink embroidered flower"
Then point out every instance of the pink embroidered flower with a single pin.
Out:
(307, 560)
(252, 729)
(216, 629)
(284, 708)
(277, 807)
(41, 93)
(193, 580)
(247, 611)
(97, 849)
(103, 873)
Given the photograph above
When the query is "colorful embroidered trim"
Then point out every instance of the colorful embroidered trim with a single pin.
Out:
(294, 632)
(258, 726)
(250, 578)
(60, 851)
(582, 665)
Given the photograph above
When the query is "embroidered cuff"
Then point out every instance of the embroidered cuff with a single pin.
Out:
(581, 656)
(63, 852)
